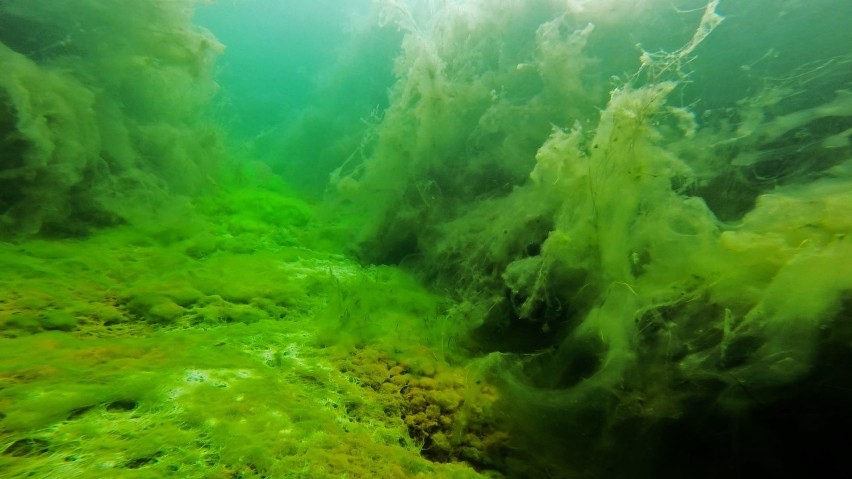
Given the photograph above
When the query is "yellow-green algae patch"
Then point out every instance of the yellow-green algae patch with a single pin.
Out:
(129, 354)
(234, 401)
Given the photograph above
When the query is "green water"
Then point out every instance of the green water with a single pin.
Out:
(446, 238)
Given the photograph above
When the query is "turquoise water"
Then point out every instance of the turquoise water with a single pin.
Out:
(275, 55)
(446, 238)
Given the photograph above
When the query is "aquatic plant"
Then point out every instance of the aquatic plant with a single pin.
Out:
(101, 112)
(633, 266)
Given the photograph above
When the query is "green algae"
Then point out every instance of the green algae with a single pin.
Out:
(624, 270)
(194, 403)
(626, 265)
(228, 364)
(92, 134)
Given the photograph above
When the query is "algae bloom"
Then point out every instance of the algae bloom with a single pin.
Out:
(436, 239)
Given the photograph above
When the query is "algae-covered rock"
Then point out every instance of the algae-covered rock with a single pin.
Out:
(166, 311)
(155, 307)
(59, 320)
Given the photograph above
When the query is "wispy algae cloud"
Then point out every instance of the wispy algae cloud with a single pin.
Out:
(100, 106)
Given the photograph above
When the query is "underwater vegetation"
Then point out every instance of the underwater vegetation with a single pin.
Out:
(521, 239)
(637, 265)
(100, 111)
(214, 343)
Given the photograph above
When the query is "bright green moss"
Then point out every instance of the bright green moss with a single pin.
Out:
(236, 381)
(59, 320)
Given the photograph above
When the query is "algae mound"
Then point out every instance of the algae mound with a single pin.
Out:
(100, 110)
(635, 273)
